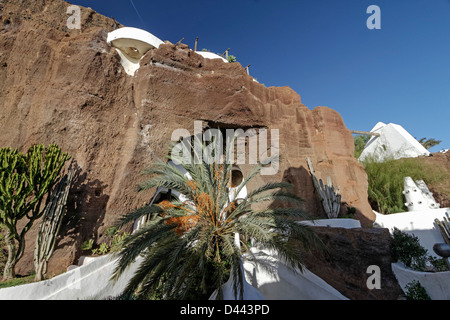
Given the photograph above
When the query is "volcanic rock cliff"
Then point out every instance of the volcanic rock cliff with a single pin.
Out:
(68, 87)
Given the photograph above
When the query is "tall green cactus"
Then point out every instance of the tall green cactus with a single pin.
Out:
(25, 180)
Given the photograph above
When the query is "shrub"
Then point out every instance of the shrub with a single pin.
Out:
(231, 58)
(415, 291)
(440, 265)
(386, 181)
(101, 250)
(407, 249)
(87, 245)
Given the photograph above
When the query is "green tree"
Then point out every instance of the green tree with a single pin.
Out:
(188, 247)
(25, 180)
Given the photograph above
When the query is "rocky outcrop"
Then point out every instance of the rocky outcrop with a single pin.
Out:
(68, 87)
(350, 254)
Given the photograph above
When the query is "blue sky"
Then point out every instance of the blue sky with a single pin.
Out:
(324, 51)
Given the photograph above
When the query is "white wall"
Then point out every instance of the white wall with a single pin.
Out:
(210, 55)
(333, 223)
(436, 284)
(131, 44)
(394, 141)
(276, 281)
(90, 281)
(419, 223)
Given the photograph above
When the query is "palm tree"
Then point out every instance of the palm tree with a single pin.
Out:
(429, 143)
(188, 247)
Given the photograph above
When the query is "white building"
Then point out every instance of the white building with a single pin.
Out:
(393, 142)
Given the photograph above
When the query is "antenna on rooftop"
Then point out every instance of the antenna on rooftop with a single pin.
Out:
(225, 53)
(196, 42)
(247, 69)
(179, 41)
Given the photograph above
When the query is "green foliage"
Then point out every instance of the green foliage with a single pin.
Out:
(17, 281)
(231, 58)
(189, 249)
(407, 249)
(117, 240)
(360, 143)
(439, 264)
(386, 181)
(101, 250)
(415, 291)
(350, 214)
(87, 245)
(429, 143)
(25, 180)
(113, 244)
(111, 232)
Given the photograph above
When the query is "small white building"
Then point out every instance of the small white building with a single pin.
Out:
(132, 44)
(393, 142)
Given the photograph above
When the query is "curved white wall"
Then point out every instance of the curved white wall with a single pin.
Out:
(436, 284)
(90, 281)
(276, 281)
(131, 44)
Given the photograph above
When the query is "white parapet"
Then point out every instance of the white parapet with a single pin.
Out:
(333, 223)
(86, 282)
(132, 44)
(210, 55)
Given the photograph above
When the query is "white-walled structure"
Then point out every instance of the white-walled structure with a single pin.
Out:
(394, 142)
(266, 271)
(210, 55)
(88, 281)
(131, 44)
(437, 284)
(334, 223)
(419, 223)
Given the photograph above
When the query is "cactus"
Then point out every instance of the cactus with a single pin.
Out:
(25, 179)
(50, 224)
(331, 198)
(444, 228)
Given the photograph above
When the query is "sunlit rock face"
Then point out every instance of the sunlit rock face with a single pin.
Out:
(69, 87)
